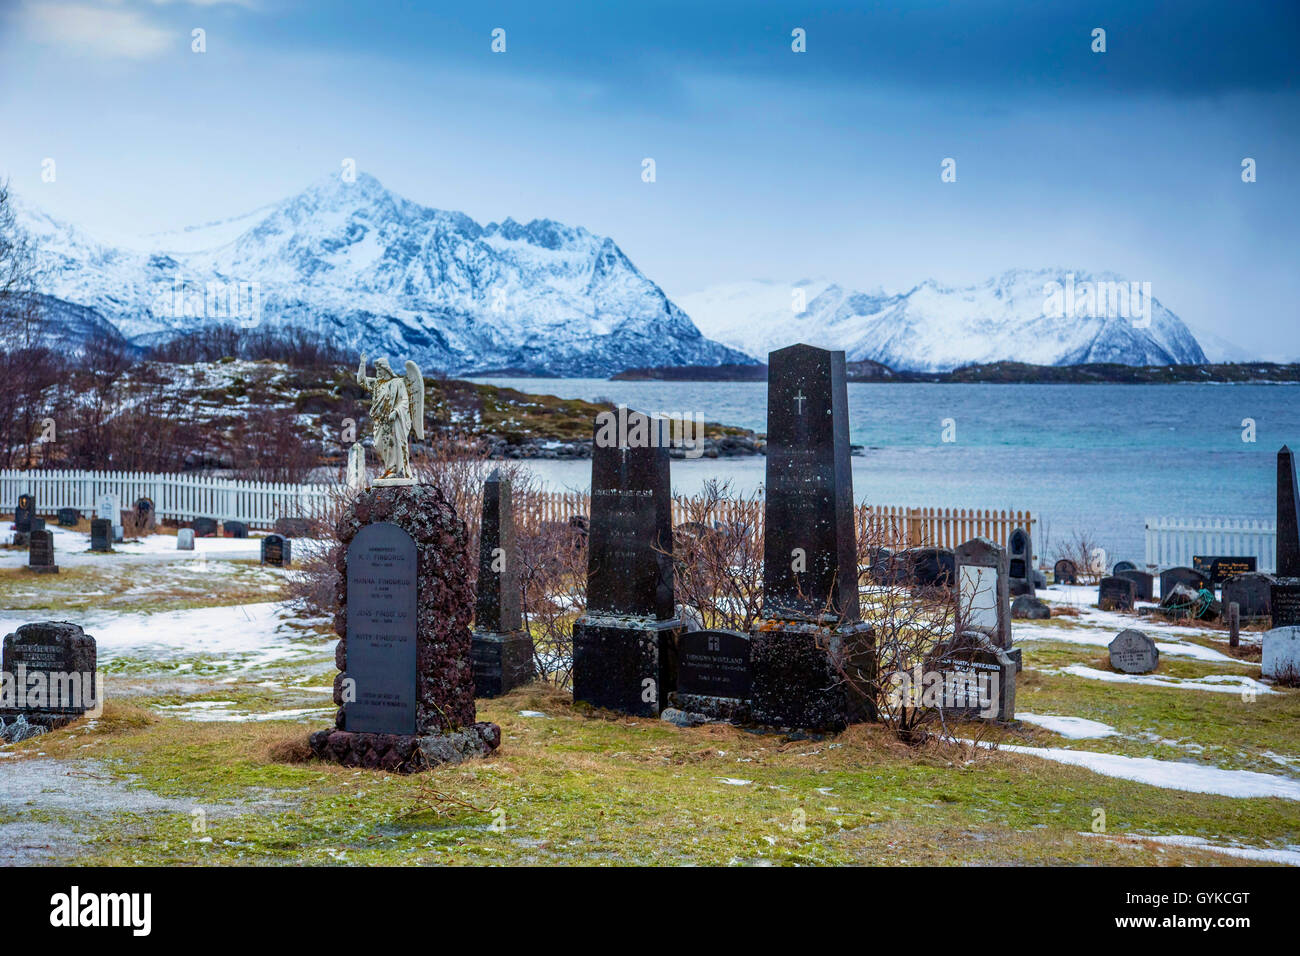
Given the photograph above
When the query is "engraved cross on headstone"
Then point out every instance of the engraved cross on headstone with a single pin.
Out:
(799, 399)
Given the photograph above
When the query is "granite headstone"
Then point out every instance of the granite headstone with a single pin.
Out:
(1133, 652)
(277, 551)
(1116, 594)
(1251, 593)
(40, 555)
(501, 651)
(1144, 585)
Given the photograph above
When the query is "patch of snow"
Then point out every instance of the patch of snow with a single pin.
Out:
(1218, 683)
(1073, 728)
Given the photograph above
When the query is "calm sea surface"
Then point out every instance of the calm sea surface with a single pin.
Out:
(1090, 458)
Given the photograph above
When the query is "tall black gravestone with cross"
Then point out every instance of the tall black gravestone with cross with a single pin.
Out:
(405, 687)
(23, 514)
(810, 653)
(502, 651)
(625, 645)
(1284, 600)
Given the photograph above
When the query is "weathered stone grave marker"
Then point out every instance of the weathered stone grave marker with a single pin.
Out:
(1133, 652)
(625, 645)
(1284, 601)
(809, 652)
(502, 651)
(277, 551)
(40, 554)
(1020, 563)
(50, 669)
(1065, 571)
(405, 685)
(69, 517)
(1252, 592)
(185, 539)
(101, 535)
(204, 527)
(1144, 585)
(1188, 577)
(1281, 655)
(1115, 594)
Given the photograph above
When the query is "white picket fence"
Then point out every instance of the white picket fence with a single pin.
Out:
(182, 497)
(1172, 542)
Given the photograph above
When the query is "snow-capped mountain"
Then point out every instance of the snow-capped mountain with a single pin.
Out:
(369, 269)
(1043, 317)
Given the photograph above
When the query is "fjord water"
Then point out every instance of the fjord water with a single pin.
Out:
(1098, 459)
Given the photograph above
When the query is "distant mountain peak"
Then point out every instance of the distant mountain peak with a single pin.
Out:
(357, 263)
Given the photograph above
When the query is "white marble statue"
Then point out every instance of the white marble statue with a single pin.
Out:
(396, 409)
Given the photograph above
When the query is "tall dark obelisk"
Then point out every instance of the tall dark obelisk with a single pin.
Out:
(625, 645)
(1284, 598)
(501, 650)
(809, 650)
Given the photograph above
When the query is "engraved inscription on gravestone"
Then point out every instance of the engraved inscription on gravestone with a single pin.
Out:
(713, 664)
(276, 551)
(1133, 652)
(381, 640)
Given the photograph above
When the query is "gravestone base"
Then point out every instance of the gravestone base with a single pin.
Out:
(391, 482)
(801, 673)
(404, 753)
(501, 662)
(733, 710)
(42, 568)
(614, 656)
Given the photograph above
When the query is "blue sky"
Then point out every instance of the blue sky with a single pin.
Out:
(769, 163)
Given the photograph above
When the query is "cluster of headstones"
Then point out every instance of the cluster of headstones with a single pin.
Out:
(106, 529)
(633, 653)
(1244, 594)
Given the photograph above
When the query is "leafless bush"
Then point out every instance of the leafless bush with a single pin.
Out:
(553, 580)
(718, 557)
(1088, 557)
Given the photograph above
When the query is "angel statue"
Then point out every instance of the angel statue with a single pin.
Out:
(396, 409)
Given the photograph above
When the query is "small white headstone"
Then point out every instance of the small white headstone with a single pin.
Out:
(357, 467)
(1281, 660)
(108, 508)
(185, 539)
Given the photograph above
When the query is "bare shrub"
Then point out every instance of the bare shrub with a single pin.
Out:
(1089, 558)
(718, 557)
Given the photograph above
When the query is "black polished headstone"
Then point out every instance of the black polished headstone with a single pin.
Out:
(234, 529)
(713, 664)
(277, 551)
(629, 558)
(1218, 568)
(69, 517)
(1288, 504)
(23, 513)
(1250, 592)
(1187, 576)
(1116, 594)
(58, 657)
(381, 630)
(1122, 566)
(1284, 602)
(1065, 571)
(1144, 585)
(809, 554)
(101, 535)
(497, 606)
(204, 527)
(1020, 563)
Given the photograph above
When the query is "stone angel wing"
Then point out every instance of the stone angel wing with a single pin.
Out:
(415, 391)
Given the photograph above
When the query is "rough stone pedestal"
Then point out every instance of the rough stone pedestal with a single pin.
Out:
(501, 662)
(805, 673)
(444, 729)
(625, 663)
